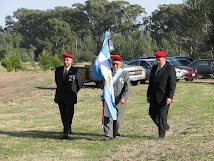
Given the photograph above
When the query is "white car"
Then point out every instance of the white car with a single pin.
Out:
(179, 74)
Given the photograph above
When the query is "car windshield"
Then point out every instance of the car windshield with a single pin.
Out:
(174, 62)
(152, 62)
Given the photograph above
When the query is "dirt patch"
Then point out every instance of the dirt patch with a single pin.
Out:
(20, 85)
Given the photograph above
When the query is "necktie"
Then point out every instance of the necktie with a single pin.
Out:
(65, 74)
(157, 71)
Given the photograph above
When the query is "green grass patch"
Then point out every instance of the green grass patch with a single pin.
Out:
(30, 127)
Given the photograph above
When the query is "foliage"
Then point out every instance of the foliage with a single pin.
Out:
(44, 61)
(16, 62)
(55, 62)
(181, 29)
(135, 44)
(7, 63)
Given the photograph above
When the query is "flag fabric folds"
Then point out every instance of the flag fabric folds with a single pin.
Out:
(102, 71)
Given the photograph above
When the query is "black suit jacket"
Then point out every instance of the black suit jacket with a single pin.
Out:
(163, 85)
(66, 90)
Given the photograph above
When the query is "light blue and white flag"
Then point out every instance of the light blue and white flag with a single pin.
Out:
(102, 71)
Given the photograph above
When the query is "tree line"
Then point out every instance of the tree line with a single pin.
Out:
(178, 29)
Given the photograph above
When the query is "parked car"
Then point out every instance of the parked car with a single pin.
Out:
(184, 58)
(147, 64)
(204, 67)
(184, 61)
(190, 73)
(136, 73)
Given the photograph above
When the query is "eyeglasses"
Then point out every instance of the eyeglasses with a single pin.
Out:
(115, 64)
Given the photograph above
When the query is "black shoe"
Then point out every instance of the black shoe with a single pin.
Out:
(69, 131)
(167, 128)
(160, 138)
(117, 137)
(64, 136)
(108, 138)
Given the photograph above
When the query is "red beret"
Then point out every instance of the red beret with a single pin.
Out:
(160, 54)
(67, 55)
(116, 58)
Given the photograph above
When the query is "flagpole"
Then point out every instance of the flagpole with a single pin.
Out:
(104, 102)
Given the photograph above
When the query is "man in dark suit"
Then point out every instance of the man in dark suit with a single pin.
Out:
(68, 81)
(121, 92)
(161, 91)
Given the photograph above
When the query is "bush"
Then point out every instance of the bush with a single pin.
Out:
(86, 56)
(16, 62)
(56, 62)
(45, 61)
(7, 63)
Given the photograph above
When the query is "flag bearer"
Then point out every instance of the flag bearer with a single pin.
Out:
(121, 85)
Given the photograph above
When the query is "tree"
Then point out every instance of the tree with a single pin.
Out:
(56, 62)
(7, 63)
(44, 61)
(16, 62)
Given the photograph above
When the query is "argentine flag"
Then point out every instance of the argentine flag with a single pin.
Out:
(102, 71)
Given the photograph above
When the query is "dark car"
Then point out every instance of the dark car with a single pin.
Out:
(204, 67)
(184, 57)
(190, 73)
(184, 61)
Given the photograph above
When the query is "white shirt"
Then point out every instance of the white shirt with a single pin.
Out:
(159, 68)
(66, 69)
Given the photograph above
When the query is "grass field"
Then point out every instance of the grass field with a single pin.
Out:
(30, 125)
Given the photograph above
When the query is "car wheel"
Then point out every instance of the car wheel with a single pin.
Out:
(134, 83)
(99, 85)
(177, 80)
(186, 79)
(142, 81)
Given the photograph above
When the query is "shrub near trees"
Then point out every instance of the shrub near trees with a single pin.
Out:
(12, 63)
(47, 62)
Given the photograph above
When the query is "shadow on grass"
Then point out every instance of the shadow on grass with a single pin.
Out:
(202, 82)
(57, 135)
(84, 86)
(51, 135)
(45, 88)
(139, 137)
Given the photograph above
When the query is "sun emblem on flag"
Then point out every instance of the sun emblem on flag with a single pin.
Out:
(109, 77)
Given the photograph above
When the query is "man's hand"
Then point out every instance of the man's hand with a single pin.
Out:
(122, 101)
(148, 99)
(168, 101)
(105, 82)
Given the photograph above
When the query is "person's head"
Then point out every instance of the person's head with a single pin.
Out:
(67, 59)
(160, 58)
(116, 62)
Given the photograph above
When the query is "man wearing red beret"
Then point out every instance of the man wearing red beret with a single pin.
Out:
(69, 81)
(161, 91)
(121, 85)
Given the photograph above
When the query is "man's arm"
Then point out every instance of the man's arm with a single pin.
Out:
(171, 83)
(127, 87)
(79, 81)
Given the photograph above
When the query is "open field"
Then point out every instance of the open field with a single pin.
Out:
(30, 123)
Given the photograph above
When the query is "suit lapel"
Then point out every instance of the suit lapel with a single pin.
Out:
(160, 72)
(61, 72)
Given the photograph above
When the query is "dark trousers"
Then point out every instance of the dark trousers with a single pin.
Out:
(159, 114)
(67, 113)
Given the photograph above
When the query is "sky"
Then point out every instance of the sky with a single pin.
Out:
(7, 7)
